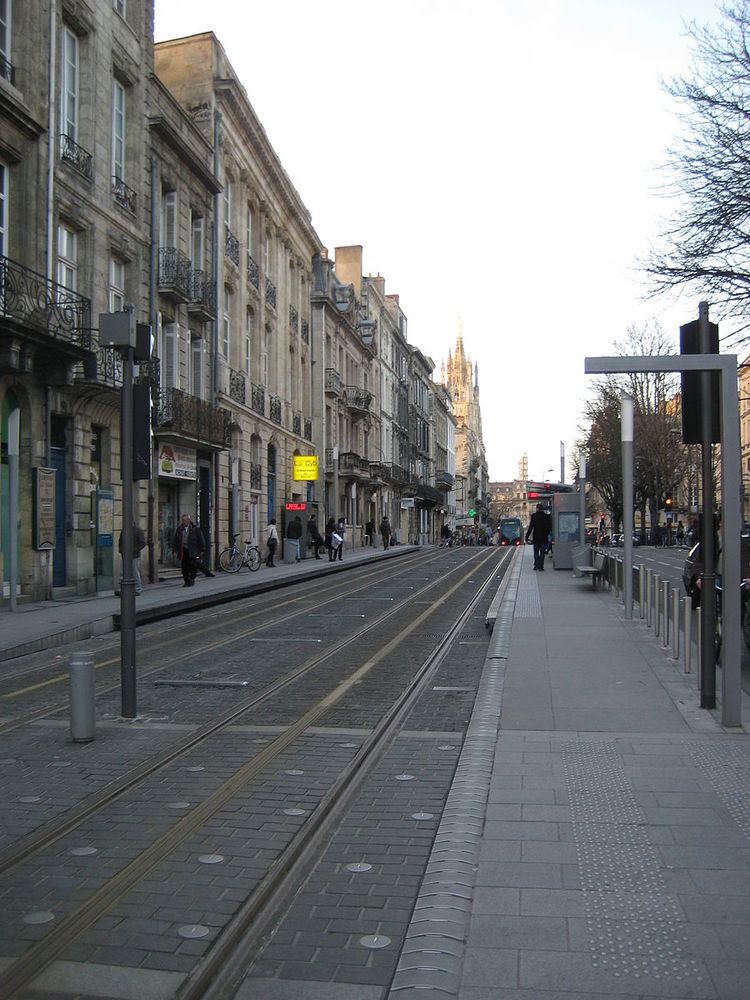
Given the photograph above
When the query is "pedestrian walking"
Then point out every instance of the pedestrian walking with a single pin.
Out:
(189, 545)
(680, 534)
(369, 532)
(293, 535)
(339, 536)
(139, 543)
(272, 540)
(385, 531)
(445, 534)
(315, 540)
(330, 529)
(540, 526)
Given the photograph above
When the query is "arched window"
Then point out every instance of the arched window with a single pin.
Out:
(271, 481)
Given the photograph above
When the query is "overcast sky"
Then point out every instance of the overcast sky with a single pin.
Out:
(497, 160)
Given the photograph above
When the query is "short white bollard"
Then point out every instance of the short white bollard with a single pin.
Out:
(82, 711)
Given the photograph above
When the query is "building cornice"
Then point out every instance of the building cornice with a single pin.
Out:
(161, 126)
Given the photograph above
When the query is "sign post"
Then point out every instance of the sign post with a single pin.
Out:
(14, 429)
(626, 437)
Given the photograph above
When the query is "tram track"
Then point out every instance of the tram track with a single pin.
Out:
(330, 594)
(51, 945)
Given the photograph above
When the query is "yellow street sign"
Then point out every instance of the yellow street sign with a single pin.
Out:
(305, 467)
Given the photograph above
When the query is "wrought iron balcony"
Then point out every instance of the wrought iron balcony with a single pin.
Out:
(253, 272)
(377, 471)
(7, 71)
(231, 246)
(76, 156)
(353, 465)
(396, 473)
(193, 418)
(123, 195)
(333, 382)
(429, 494)
(308, 430)
(236, 386)
(305, 334)
(270, 293)
(297, 423)
(255, 476)
(443, 480)
(358, 400)
(36, 304)
(174, 274)
(201, 295)
(293, 319)
(103, 367)
(258, 398)
(274, 409)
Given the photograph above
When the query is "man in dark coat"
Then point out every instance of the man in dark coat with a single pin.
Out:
(189, 545)
(385, 531)
(539, 528)
(314, 536)
(293, 535)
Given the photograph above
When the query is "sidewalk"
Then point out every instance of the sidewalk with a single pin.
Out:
(596, 842)
(35, 627)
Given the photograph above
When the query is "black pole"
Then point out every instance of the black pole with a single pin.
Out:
(127, 588)
(708, 554)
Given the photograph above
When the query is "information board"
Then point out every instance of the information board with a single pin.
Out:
(304, 467)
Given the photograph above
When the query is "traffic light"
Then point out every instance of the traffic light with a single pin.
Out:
(668, 501)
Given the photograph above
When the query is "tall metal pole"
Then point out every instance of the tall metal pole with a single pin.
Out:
(582, 496)
(626, 436)
(708, 555)
(127, 589)
(562, 466)
(14, 430)
(731, 526)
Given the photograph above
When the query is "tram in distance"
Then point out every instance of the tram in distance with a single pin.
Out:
(511, 531)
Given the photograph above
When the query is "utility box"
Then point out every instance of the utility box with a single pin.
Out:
(567, 531)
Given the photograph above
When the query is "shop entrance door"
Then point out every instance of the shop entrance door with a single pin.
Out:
(59, 568)
(204, 504)
(167, 523)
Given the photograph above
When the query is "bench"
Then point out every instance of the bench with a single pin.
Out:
(595, 570)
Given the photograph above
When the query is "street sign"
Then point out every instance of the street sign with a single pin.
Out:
(305, 467)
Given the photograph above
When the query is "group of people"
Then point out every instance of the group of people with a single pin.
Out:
(332, 540)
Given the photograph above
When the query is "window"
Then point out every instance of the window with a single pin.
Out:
(3, 210)
(116, 285)
(249, 231)
(168, 227)
(196, 366)
(118, 130)
(168, 353)
(267, 255)
(228, 204)
(226, 322)
(118, 6)
(248, 339)
(67, 257)
(197, 234)
(69, 88)
(5, 29)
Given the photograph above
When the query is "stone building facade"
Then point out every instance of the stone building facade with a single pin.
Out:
(461, 378)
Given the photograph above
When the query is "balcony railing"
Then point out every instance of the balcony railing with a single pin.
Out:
(123, 195)
(194, 418)
(174, 274)
(253, 272)
(305, 334)
(7, 70)
(75, 155)
(396, 473)
(333, 382)
(297, 423)
(270, 293)
(274, 409)
(443, 480)
(308, 430)
(429, 494)
(103, 367)
(352, 464)
(358, 400)
(202, 294)
(236, 386)
(255, 476)
(293, 319)
(258, 398)
(31, 299)
(231, 246)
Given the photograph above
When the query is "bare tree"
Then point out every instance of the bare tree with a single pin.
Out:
(601, 442)
(706, 248)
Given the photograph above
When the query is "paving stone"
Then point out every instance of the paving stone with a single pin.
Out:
(490, 967)
(522, 931)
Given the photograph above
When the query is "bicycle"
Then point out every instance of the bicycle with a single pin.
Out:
(232, 559)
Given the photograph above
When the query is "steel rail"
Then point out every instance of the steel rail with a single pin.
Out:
(184, 656)
(36, 958)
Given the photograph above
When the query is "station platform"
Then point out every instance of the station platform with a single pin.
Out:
(45, 625)
(596, 840)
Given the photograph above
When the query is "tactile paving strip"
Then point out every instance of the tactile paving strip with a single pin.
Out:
(727, 766)
(635, 925)
(528, 603)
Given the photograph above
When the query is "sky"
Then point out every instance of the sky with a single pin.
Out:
(498, 160)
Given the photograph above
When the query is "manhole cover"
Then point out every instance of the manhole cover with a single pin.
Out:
(83, 852)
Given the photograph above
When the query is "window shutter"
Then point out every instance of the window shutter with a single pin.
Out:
(169, 341)
(197, 353)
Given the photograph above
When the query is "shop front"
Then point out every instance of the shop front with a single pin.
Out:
(177, 494)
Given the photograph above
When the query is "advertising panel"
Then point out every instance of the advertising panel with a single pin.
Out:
(176, 462)
(305, 467)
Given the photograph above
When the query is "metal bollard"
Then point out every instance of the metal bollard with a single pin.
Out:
(688, 638)
(665, 602)
(649, 605)
(642, 591)
(698, 656)
(82, 713)
(675, 623)
(657, 603)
